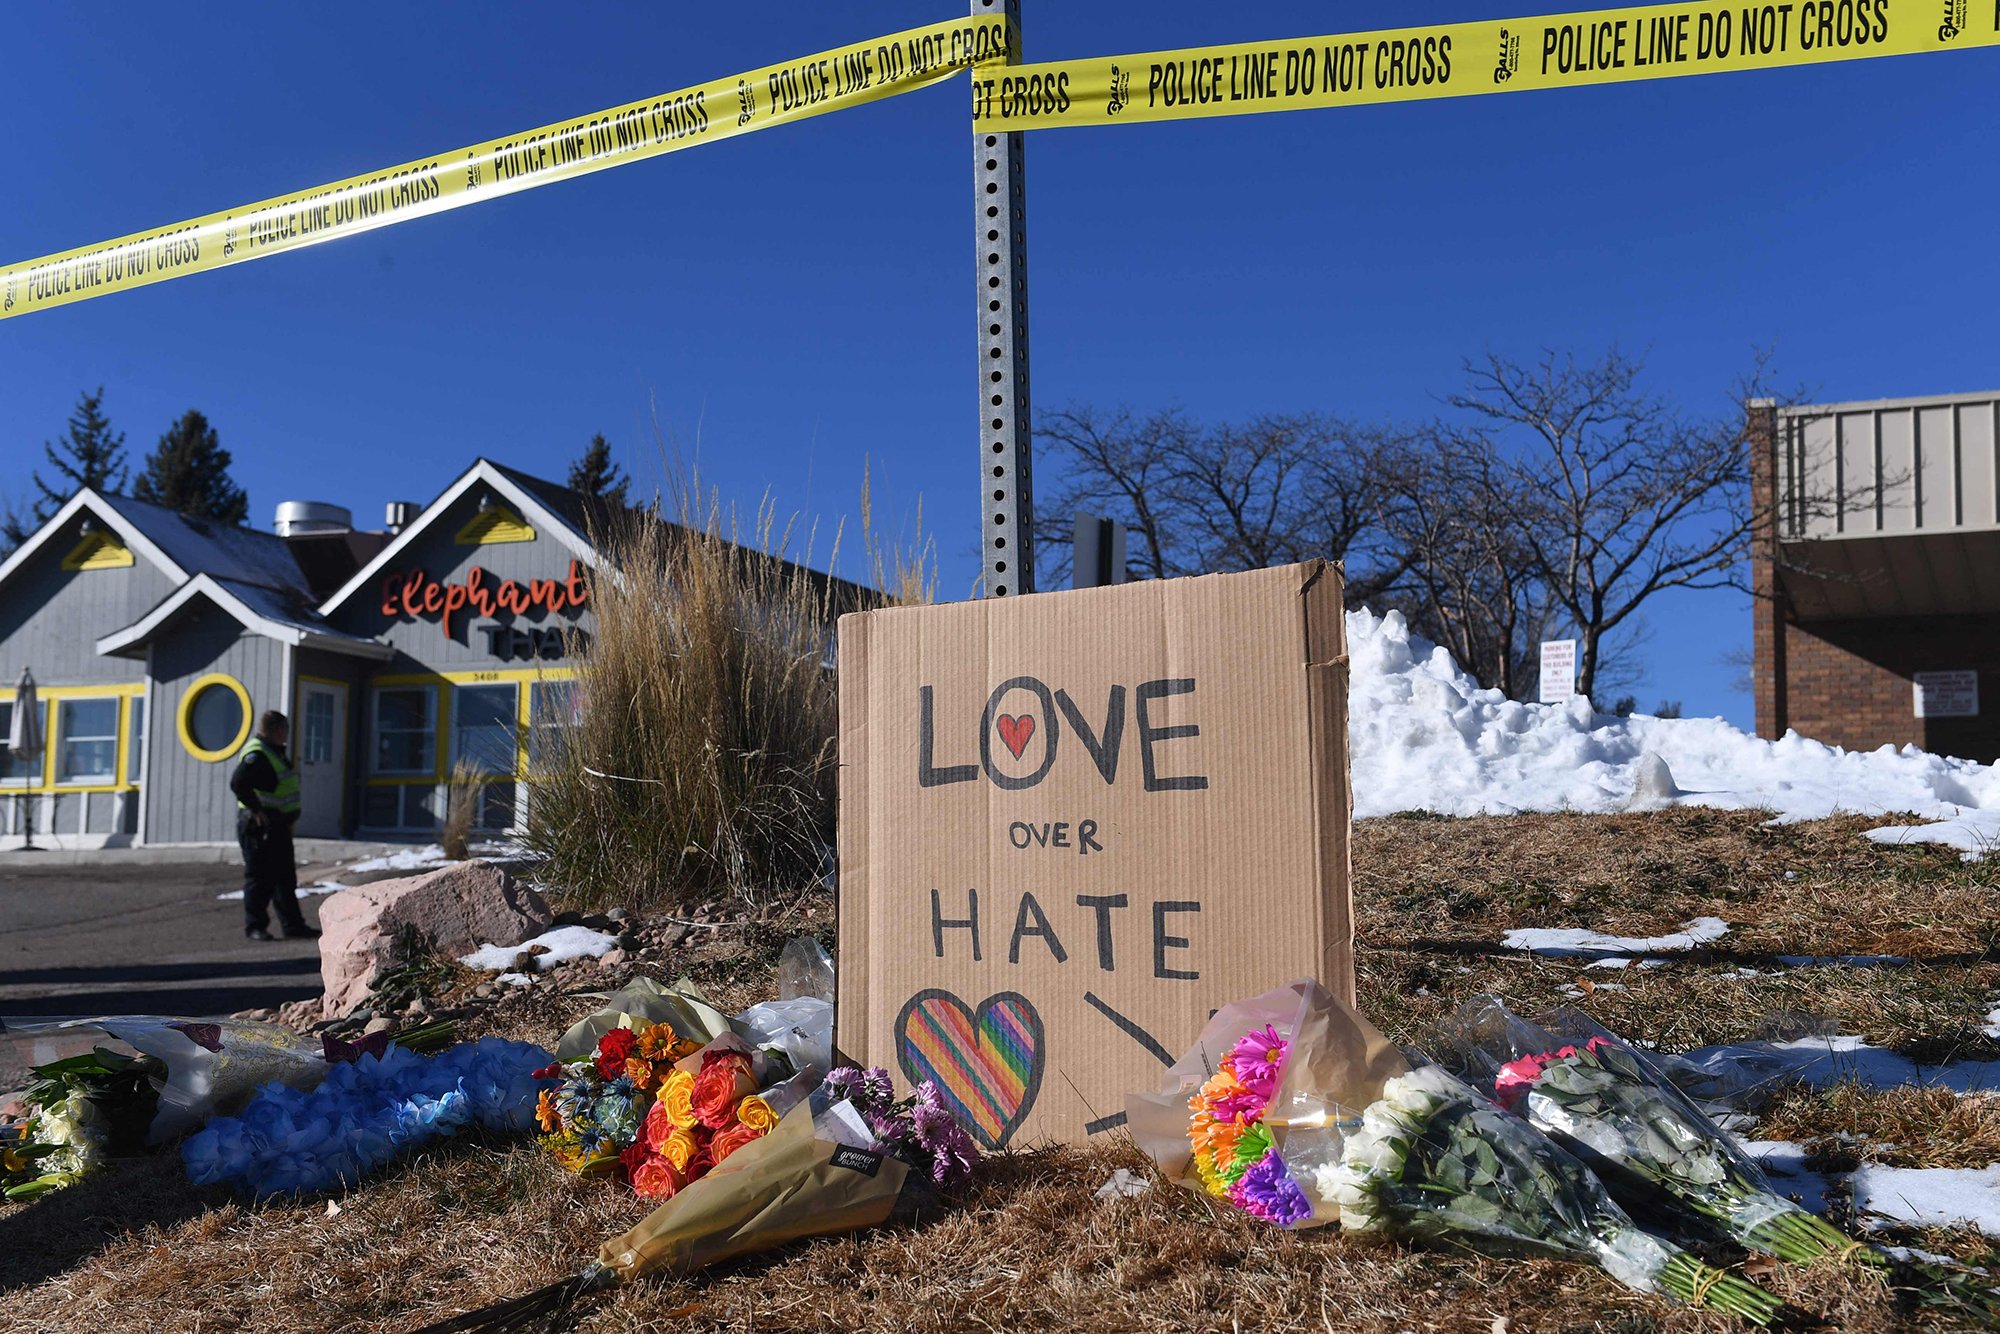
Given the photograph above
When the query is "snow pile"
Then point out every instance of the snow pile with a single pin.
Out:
(1424, 736)
(562, 944)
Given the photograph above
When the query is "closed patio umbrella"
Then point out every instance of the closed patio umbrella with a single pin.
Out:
(24, 743)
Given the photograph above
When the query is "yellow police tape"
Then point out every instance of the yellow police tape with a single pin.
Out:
(721, 109)
(1457, 59)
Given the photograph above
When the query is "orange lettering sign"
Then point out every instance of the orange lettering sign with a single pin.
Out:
(415, 594)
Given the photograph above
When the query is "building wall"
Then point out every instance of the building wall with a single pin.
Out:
(50, 618)
(424, 645)
(188, 799)
(1850, 683)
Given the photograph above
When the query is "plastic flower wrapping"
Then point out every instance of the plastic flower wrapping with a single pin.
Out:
(1434, 1160)
(1659, 1154)
(365, 1113)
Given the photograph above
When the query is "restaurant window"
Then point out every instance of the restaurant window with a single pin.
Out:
(405, 730)
(553, 707)
(89, 740)
(135, 738)
(20, 772)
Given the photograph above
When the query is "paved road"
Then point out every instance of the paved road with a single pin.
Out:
(139, 940)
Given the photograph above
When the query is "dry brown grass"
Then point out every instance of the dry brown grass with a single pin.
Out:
(1029, 1248)
(704, 755)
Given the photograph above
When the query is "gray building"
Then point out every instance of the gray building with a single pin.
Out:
(156, 640)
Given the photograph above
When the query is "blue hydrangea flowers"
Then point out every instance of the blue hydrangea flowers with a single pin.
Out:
(364, 1114)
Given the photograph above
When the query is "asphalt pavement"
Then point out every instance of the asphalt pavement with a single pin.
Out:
(139, 940)
(89, 940)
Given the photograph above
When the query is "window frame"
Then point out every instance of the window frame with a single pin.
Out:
(57, 744)
(375, 770)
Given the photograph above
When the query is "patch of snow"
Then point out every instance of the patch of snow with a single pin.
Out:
(1573, 942)
(1785, 1163)
(1930, 1196)
(1619, 961)
(1829, 1060)
(1992, 1028)
(304, 891)
(1910, 1253)
(1425, 736)
(564, 943)
(515, 979)
(427, 858)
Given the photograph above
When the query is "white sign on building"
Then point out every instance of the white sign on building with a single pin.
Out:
(1947, 694)
(1558, 670)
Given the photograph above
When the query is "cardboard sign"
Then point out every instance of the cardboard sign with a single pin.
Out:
(1558, 670)
(1073, 825)
(1947, 694)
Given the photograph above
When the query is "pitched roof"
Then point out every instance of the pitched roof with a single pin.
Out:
(180, 546)
(281, 614)
(227, 551)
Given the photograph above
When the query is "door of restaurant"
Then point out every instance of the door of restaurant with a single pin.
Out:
(319, 748)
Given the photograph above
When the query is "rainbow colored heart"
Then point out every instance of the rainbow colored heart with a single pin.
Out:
(987, 1063)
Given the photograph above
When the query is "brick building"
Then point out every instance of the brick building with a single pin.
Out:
(1878, 573)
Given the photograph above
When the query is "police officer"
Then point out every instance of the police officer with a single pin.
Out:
(267, 800)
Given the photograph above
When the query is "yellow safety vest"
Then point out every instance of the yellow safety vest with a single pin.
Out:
(284, 798)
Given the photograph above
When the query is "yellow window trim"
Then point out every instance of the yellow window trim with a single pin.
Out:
(46, 781)
(494, 526)
(188, 698)
(98, 551)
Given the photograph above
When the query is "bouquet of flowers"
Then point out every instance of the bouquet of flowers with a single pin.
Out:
(704, 1115)
(1433, 1159)
(364, 1113)
(84, 1109)
(595, 1115)
(1233, 1154)
(1261, 1101)
(1608, 1105)
(918, 1130)
(842, 1152)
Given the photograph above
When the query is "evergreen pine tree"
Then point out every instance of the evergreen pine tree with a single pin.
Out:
(188, 471)
(92, 457)
(594, 474)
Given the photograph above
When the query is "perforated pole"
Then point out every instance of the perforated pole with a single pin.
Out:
(1006, 489)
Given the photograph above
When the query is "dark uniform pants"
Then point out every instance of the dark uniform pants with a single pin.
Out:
(270, 879)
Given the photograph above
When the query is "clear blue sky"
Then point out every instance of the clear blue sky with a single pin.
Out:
(801, 298)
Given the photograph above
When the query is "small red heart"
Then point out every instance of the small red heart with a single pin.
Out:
(1016, 731)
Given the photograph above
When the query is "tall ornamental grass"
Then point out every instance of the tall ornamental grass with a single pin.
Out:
(703, 753)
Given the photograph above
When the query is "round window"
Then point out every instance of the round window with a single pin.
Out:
(215, 717)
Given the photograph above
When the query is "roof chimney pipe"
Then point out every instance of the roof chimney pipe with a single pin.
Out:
(399, 514)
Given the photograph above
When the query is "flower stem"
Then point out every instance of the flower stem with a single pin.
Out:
(1701, 1285)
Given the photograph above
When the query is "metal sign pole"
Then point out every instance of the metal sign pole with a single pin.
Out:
(1000, 210)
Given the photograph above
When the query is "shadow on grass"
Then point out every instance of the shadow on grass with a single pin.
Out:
(66, 1227)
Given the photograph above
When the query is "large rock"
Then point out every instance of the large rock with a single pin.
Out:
(459, 908)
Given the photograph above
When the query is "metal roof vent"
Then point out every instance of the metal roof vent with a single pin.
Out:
(296, 518)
